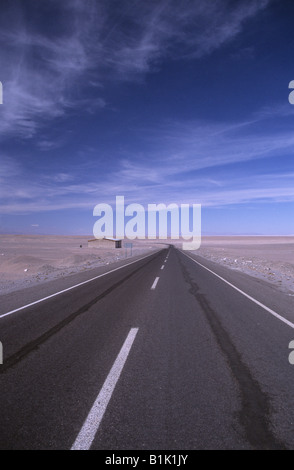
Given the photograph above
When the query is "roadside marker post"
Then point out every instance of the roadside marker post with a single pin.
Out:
(128, 245)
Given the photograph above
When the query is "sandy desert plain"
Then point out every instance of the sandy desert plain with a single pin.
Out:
(27, 260)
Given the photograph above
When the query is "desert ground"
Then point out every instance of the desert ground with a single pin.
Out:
(27, 260)
(268, 258)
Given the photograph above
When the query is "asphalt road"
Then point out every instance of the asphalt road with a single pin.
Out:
(163, 353)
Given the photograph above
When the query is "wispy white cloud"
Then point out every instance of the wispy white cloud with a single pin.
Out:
(193, 162)
(178, 149)
(62, 178)
(46, 144)
(178, 30)
(44, 79)
(42, 73)
(45, 75)
(34, 200)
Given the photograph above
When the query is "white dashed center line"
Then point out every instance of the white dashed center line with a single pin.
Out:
(94, 418)
(155, 283)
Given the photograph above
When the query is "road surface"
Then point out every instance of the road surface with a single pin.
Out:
(166, 352)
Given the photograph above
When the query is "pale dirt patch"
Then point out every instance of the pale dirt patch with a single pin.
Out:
(269, 258)
(27, 260)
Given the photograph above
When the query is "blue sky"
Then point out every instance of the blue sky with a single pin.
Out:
(159, 101)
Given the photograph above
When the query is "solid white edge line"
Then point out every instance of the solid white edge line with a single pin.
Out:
(72, 287)
(95, 416)
(155, 283)
(272, 312)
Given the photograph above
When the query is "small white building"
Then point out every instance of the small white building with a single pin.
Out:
(105, 243)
